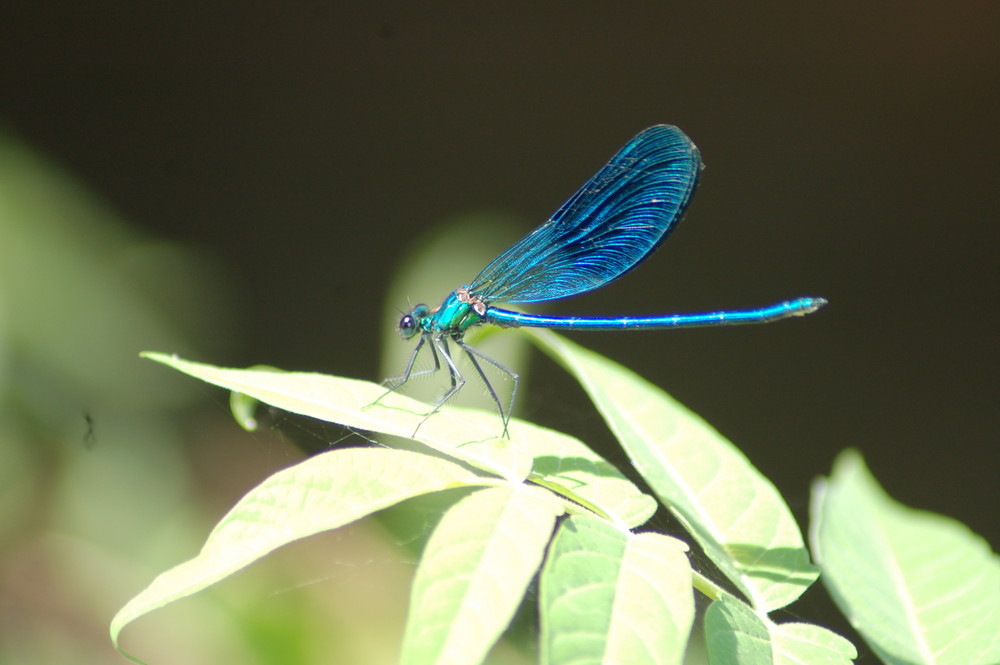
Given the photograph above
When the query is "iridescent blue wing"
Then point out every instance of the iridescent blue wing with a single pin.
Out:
(607, 228)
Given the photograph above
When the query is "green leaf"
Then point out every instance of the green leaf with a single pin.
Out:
(366, 406)
(288, 506)
(608, 596)
(554, 460)
(807, 643)
(575, 471)
(474, 572)
(919, 587)
(734, 512)
(244, 407)
(736, 635)
(321, 493)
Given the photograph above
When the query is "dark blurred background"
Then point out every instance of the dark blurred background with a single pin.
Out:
(302, 148)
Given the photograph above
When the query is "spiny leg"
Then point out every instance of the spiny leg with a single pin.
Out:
(440, 344)
(453, 374)
(473, 354)
(457, 380)
(399, 381)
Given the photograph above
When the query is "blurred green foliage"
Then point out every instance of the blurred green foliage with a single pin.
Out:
(89, 458)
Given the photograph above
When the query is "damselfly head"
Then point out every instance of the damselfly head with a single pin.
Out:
(410, 324)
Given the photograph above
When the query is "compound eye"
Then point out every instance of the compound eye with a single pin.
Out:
(409, 324)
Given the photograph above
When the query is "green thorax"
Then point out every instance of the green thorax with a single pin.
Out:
(457, 313)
